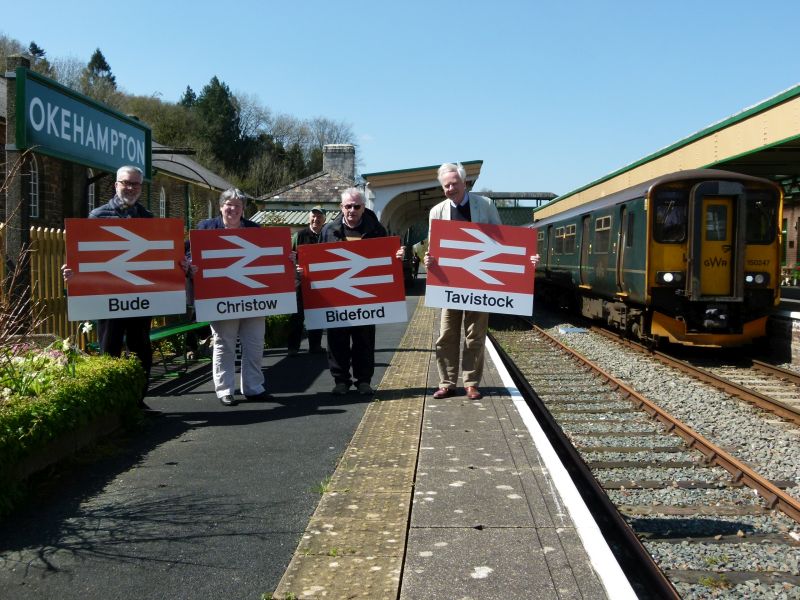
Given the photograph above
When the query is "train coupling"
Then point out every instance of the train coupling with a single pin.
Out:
(715, 317)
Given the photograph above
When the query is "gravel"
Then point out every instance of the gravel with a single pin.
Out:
(767, 444)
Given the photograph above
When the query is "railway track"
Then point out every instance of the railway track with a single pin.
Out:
(709, 521)
(766, 386)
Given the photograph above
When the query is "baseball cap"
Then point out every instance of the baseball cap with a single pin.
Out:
(318, 209)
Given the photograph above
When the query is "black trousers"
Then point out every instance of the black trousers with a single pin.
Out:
(352, 346)
(296, 321)
(135, 333)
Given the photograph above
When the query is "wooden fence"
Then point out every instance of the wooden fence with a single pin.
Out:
(48, 253)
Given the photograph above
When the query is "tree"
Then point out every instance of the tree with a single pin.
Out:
(9, 47)
(172, 124)
(39, 63)
(68, 72)
(189, 98)
(98, 82)
(98, 70)
(219, 125)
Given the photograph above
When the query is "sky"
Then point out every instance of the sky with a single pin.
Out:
(550, 95)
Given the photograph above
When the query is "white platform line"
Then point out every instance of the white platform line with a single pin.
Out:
(605, 564)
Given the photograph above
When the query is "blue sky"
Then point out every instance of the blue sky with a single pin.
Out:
(550, 95)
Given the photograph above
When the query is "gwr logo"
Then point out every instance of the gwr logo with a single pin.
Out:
(715, 261)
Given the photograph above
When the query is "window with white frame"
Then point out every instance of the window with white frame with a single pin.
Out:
(34, 211)
(162, 203)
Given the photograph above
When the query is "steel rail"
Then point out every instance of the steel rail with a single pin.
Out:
(776, 407)
(774, 497)
(637, 563)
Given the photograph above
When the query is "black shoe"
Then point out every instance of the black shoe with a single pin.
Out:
(228, 400)
(292, 352)
(318, 350)
(264, 396)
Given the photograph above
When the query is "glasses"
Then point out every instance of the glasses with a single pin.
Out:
(130, 184)
(352, 206)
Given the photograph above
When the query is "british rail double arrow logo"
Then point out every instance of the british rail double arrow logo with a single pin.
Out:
(123, 265)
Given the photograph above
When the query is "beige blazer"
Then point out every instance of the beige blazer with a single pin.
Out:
(481, 210)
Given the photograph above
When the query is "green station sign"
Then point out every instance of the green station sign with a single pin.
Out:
(57, 121)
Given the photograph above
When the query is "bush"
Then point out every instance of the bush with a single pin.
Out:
(97, 387)
(276, 333)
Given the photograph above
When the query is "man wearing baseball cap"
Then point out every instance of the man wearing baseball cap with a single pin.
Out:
(309, 235)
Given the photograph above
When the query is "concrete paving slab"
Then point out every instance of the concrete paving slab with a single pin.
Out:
(369, 577)
(443, 564)
(336, 536)
(458, 448)
(469, 497)
(366, 507)
(568, 563)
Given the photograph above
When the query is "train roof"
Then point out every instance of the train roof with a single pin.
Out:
(639, 190)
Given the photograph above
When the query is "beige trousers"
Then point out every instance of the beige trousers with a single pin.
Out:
(448, 346)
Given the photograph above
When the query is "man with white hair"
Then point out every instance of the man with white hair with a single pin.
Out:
(461, 205)
(353, 347)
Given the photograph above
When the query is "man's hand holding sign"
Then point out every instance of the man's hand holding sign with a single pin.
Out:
(481, 267)
(124, 268)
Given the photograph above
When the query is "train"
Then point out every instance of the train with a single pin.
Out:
(691, 258)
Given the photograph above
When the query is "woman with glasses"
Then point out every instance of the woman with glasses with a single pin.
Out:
(248, 330)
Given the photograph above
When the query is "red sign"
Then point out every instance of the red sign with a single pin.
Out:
(352, 283)
(125, 268)
(479, 267)
(244, 272)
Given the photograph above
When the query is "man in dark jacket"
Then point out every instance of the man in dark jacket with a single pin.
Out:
(134, 331)
(309, 235)
(355, 345)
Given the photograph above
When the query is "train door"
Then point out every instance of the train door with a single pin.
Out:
(549, 242)
(585, 248)
(622, 243)
(717, 247)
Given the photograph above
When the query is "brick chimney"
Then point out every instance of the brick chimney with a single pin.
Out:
(340, 158)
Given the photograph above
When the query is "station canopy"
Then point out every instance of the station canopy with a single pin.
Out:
(763, 141)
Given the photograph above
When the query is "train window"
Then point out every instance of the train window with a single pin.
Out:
(602, 234)
(559, 246)
(540, 236)
(716, 222)
(669, 225)
(569, 240)
(762, 217)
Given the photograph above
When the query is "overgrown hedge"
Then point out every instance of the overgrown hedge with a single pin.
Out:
(101, 386)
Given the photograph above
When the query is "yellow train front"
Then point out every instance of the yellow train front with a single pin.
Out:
(692, 257)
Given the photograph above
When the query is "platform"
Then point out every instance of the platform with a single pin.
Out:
(442, 499)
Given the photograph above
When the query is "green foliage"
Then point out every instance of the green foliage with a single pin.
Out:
(27, 370)
(172, 124)
(276, 333)
(218, 123)
(100, 385)
(189, 98)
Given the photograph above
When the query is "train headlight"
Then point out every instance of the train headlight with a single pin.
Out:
(671, 278)
(756, 279)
